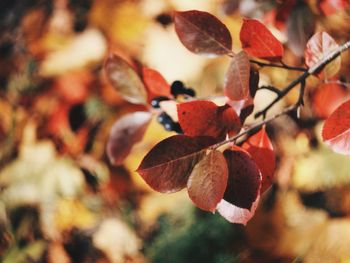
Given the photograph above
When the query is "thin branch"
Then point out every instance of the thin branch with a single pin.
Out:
(284, 66)
(271, 88)
(314, 69)
(256, 126)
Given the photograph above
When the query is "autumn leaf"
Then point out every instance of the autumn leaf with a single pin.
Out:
(336, 129)
(205, 118)
(317, 48)
(244, 179)
(327, 98)
(258, 41)
(125, 80)
(300, 27)
(207, 182)
(236, 85)
(168, 165)
(330, 7)
(155, 83)
(202, 33)
(261, 150)
(125, 132)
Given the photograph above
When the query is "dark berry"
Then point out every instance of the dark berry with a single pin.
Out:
(156, 100)
(177, 128)
(77, 116)
(189, 92)
(177, 87)
(163, 118)
(164, 19)
(169, 126)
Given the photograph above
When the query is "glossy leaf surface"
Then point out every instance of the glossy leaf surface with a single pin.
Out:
(155, 83)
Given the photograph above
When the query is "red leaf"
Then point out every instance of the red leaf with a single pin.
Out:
(205, 118)
(327, 98)
(236, 85)
(155, 83)
(258, 41)
(330, 7)
(336, 129)
(207, 182)
(125, 132)
(202, 33)
(235, 214)
(125, 80)
(244, 180)
(260, 148)
(168, 165)
(319, 46)
(300, 27)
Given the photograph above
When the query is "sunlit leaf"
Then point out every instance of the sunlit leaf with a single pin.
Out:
(244, 180)
(125, 80)
(317, 48)
(336, 129)
(258, 41)
(125, 132)
(207, 182)
(155, 83)
(236, 85)
(327, 98)
(205, 118)
(202, 33)
(168, 165)
(300, 27)
(260, 148)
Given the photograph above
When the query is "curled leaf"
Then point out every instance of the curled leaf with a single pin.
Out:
(205, 118)
(336, 129)
(125, 80)
(168, 165)
(260, 148)
(207, 182)
(236, 85)
(259, 42)
(125, 132)
(317, 48)
(202, 33)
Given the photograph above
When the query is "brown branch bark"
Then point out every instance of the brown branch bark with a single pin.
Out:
(318, 66)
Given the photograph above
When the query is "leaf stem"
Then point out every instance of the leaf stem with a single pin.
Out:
(318, 66)
(256, 126)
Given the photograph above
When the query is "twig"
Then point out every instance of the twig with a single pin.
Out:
(284, 66)
(256, 126)
(271, 88)
(318, 66)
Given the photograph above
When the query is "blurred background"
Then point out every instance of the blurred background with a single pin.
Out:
(60, 199)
